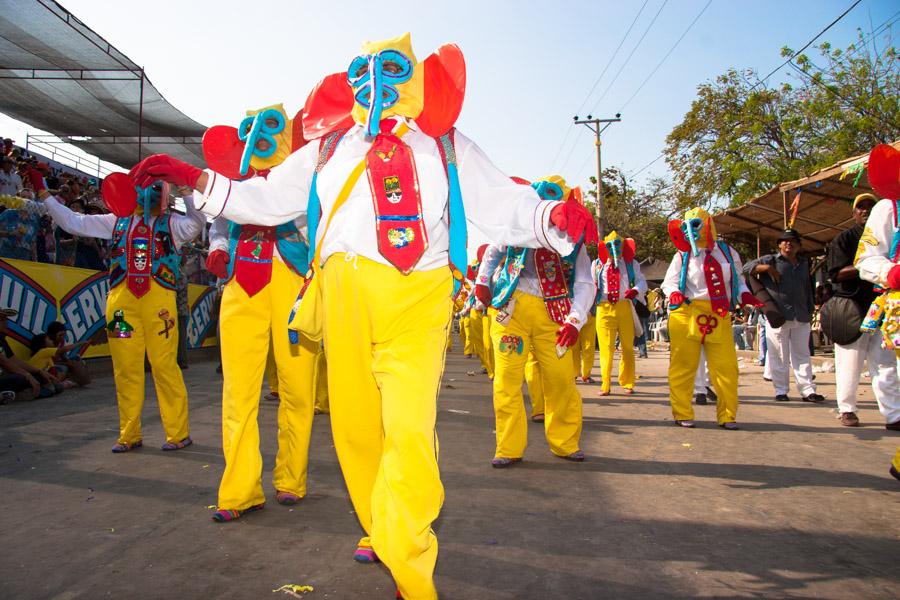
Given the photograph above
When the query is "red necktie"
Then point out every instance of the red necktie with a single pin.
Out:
(140, 260)
(715, 284)
(612, 284)
(253, 258)
(394, 183)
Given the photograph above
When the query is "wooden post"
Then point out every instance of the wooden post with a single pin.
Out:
(784, 201)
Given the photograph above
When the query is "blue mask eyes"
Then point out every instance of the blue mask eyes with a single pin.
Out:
(258, 134)
(391, 66)
(548, 190)
(691, 229)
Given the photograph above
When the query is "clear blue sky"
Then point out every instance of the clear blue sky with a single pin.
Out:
(530, 64)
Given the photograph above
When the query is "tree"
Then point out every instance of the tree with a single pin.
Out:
(741, 138)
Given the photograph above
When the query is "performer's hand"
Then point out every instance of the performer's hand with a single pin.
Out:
(748, 299)
(893, 278)
(166, 168)
(483, 294)
(217, 263)
(36, 178)
(567, 335)
(575, 220)
(631, 293)
(676, 299)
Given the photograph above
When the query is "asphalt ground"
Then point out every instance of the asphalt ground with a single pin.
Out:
(793, 505)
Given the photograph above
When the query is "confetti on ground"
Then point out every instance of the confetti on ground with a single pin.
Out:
(111, 529)
(211, 506)
(459, 412)
(205, 467)
(686, 445)
(295, 590)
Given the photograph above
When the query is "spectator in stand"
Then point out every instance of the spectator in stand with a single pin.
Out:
(18, 230)
(17, 375)
(849, 358)
(786, 277)
(8, 146)
(66, 243)
(10, 182)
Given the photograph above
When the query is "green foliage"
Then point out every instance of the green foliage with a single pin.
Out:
(741, 137)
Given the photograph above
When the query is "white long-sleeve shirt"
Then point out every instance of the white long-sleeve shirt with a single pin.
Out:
(184, 228)
(695, 282)
(599, 277)
(505, 211)
(872, 260)
(218, 235)
(584, 288)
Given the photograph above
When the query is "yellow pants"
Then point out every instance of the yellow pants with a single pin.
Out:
(128, 362)
(531, 326)
(476, 334)
(487, 323)
(583, 351)
(247, 324)
(321, 379)
(463, 335)
(534, 383)
(385, 334)
(271, 371)
(613, 319)
(721, 359)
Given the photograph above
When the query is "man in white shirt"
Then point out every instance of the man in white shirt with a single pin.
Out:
(10, 182)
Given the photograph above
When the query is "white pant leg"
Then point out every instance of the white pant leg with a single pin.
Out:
(883, 367)
(800, 362)
(701, 379)
(778, 356)
(848, 361)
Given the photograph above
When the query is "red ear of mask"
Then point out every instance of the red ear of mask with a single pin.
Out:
(445, 90)
(119, 194)
(677, 236)
(480, 252)
(884, 171)
(577, 195)
(628, 249)
(520, 181)
(297, 139)
(222, 149)
(328, 107)
(602, 252)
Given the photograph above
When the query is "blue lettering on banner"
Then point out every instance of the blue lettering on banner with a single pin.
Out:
(36, 306)
(84, 308)
(201, 319)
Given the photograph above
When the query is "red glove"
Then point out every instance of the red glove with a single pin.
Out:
(631, 294)
(576, 221)
(166, 168)
(217, 263)
(748, 299)
(676, 299)
(567, 335)
(37, 180)
(893, 278)
(483, 294)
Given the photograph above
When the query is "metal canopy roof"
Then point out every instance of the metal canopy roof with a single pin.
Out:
(825, 207)
(58, 75)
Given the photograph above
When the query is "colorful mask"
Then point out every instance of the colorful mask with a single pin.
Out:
(884, 171)
(616, 248)
(386, 80)
(695, 232)
(152, 200)
(552, 187)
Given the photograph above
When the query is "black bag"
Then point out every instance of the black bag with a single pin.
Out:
(840, 319)
(641, 309)
(773, 315)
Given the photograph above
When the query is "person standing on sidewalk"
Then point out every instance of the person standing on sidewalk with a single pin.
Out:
(849, 358)
(786, 276)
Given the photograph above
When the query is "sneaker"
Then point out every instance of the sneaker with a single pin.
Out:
(577, 456)
(286, 498)
(7, 397)
(170, 446)
(849, 419)
(814, 398)
(782, 398)
(271, 397)
(730, 426)
(539, 418)
(686, 423)
(502, 462)
(769, 379)
(365, 555)
(699, 398)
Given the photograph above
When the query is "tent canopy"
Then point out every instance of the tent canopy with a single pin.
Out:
(58, 75)
(825, 206)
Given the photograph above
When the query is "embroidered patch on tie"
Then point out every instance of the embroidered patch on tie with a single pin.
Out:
(399, 237)
(550, 270)
(510, 344)
(392, 189)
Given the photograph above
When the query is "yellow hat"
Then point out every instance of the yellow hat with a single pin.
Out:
(864, 196)
(412, 92)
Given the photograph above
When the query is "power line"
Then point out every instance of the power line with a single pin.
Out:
(807, 45)
(672, 49)
(602, 73)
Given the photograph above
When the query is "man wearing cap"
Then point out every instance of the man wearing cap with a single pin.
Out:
(849, 358)
(10, 182)
(786, 277)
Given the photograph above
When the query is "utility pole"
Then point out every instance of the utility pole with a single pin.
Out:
(594, 125)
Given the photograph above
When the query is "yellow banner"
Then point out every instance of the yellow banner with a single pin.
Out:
(43, 293)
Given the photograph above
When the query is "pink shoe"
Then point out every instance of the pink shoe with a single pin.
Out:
(365, 555)
(628, 391)
(603, 393)
(286, 498)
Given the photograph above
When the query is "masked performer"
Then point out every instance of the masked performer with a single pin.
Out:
(540, 301)
(619, 283)
(263, 268)
(387, 191)
(583, 351)
(878, 256)
(144, 263)
(704, 285)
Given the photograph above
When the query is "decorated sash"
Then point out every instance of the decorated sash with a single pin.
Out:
(555, 289)
(400, 226)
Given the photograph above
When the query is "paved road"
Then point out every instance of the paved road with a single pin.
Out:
(794, 505)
